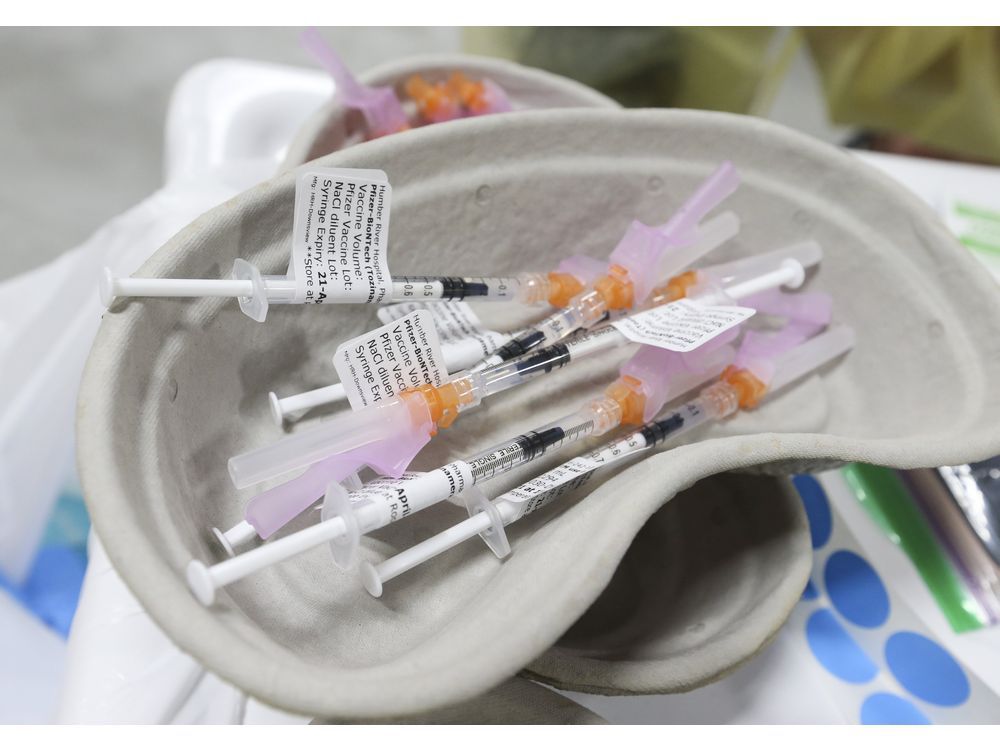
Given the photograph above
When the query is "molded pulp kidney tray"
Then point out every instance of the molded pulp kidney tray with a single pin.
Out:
(620, 591)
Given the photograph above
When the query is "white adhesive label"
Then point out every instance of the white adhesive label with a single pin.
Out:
(681, 326)
(340, 236)
(464, 341)
(398, 498)
(377, 365)
(571, 475)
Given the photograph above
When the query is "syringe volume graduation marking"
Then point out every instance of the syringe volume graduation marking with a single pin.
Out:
(474, 289)
(536, 442)
(580, 430)
(498, 287)
(658, 430)
(522, 449)
(496, 461)
(526, 448)
(517, 346)
(545, 360)
(452, 287)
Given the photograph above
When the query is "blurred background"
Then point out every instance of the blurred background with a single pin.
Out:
(85, 140)
(85, 107)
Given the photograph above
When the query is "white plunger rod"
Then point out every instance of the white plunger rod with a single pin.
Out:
(280, 407)
(205, 581)
(129, 287)
(375, 575)
(790, 273)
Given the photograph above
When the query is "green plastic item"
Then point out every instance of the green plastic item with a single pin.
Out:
(940, 85)
(979, 227)
(720, 68)
(882, 493)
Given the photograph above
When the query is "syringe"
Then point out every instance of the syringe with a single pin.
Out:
(380, 106)
(482, 97)
(388, 436)
(435, 101)
(456, 97)
(642, 258)
(346, 517)
(738, 388)
(571, 274)
(257, 292)
(647, 380)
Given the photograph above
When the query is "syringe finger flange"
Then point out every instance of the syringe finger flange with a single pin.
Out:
(495, 536)
(337, 504)
(254, 305)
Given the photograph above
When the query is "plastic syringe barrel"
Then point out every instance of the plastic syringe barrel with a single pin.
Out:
(419, 288)
(790, 273)
(810, 355)
(808, 253)
(521, 450)
(344, 432)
